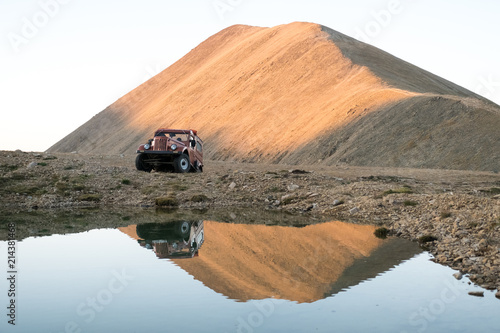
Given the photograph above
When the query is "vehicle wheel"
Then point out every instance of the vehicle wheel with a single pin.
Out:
(181, 164)
(141, 165)
(183, 229)
(197, 167)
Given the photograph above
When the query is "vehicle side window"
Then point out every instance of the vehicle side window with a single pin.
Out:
(199, 147)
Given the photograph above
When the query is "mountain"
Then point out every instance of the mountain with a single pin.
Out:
(302, 93)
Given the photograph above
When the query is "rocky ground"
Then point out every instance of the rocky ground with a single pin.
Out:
(455, 214)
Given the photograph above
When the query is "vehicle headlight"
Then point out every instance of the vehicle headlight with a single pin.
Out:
(147, 146)
(173, 147)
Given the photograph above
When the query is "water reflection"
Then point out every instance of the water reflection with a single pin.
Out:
(84, 274)
(243, 261)
(174, 240)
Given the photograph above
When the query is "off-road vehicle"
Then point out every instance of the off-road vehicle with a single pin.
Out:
(171, 150)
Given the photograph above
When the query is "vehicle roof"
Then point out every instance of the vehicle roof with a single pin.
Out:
(173, 130)
(184, 131)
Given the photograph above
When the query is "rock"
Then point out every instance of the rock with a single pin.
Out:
(458, 276)
(293, 187)
(311, 207)
(232, 185)
(337, 202)
(497, 295)
(32, 165)
(298, 171)
(354, 210)
(441, 259)
(483, 243)
(477, 293)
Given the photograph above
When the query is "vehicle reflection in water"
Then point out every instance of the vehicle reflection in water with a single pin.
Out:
(174, 240)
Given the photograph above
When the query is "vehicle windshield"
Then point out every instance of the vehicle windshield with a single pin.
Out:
(176, 136)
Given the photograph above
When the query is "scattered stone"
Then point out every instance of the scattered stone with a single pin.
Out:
(441, 259)
(497, 295)
(337, 202)
(232, 185)
(293, 187)
(233, 216)
(311, 207)
(354, 210)
(32, 165)
(477, 293)
(458, 275)
(482, 244)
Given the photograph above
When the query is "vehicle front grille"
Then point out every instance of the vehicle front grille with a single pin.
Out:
(160, 144)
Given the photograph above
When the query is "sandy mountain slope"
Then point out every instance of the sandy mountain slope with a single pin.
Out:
(302, 93)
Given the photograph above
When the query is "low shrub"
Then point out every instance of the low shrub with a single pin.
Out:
(90, 197)
(199, 198)
(444, 215)
(404, 189)
(168, 201)
(426, 239)
(381, 232)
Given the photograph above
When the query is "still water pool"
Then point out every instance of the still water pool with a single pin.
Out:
(197, 275)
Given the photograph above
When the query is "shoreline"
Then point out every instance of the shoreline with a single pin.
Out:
(460, 209)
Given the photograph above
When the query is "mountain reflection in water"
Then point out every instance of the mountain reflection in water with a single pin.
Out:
(243, 261)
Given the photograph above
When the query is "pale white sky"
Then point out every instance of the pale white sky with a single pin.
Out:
(63, 61)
